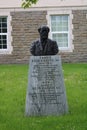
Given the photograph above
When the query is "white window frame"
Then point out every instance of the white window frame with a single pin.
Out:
(70, 27)
(9, 48)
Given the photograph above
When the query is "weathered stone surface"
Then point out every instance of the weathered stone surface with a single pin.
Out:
(46, 92)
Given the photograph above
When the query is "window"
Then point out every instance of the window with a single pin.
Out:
(60, 23)
(59, 30)
(3, 32)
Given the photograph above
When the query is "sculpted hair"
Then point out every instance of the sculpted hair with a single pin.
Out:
(43, 27)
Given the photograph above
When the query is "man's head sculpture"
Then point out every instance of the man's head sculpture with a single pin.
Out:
(43, 31)
(44, 46)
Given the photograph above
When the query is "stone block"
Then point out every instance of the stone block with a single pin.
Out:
(46, 93)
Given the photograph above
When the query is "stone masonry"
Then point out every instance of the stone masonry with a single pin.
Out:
(24, 31)
(79, 53)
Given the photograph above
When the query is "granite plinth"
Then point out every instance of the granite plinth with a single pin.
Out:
(46, 93)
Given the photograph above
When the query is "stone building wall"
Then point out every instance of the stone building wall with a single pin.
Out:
(24, 31)
(79, 53)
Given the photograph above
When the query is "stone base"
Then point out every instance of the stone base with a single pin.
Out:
(46, 92)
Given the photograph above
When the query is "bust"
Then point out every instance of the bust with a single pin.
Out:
(44, 45)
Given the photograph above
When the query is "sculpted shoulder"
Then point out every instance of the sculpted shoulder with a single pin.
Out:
(36, 41)
(52, 41)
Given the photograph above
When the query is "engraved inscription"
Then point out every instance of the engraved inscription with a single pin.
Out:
(46, 94)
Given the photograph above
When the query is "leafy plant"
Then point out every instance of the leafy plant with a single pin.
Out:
(28, 3)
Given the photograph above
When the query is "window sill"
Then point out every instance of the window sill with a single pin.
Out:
(5, 51)
(65, 50)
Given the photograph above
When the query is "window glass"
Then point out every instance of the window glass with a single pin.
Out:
(62, 39)
(59, 29)
(3, 32)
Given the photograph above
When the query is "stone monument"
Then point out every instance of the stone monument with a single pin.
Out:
(46, 92)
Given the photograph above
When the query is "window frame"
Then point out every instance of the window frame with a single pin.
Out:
(63, 12)
(9, 48)
(2, 33)
(61, 32)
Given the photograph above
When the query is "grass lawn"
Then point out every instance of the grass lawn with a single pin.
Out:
(13, 85)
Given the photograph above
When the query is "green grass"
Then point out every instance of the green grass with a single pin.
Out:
(13, 85)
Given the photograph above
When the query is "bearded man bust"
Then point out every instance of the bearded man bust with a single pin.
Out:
(44, 45)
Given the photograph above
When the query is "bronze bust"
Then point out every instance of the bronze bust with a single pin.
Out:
(44, 46)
